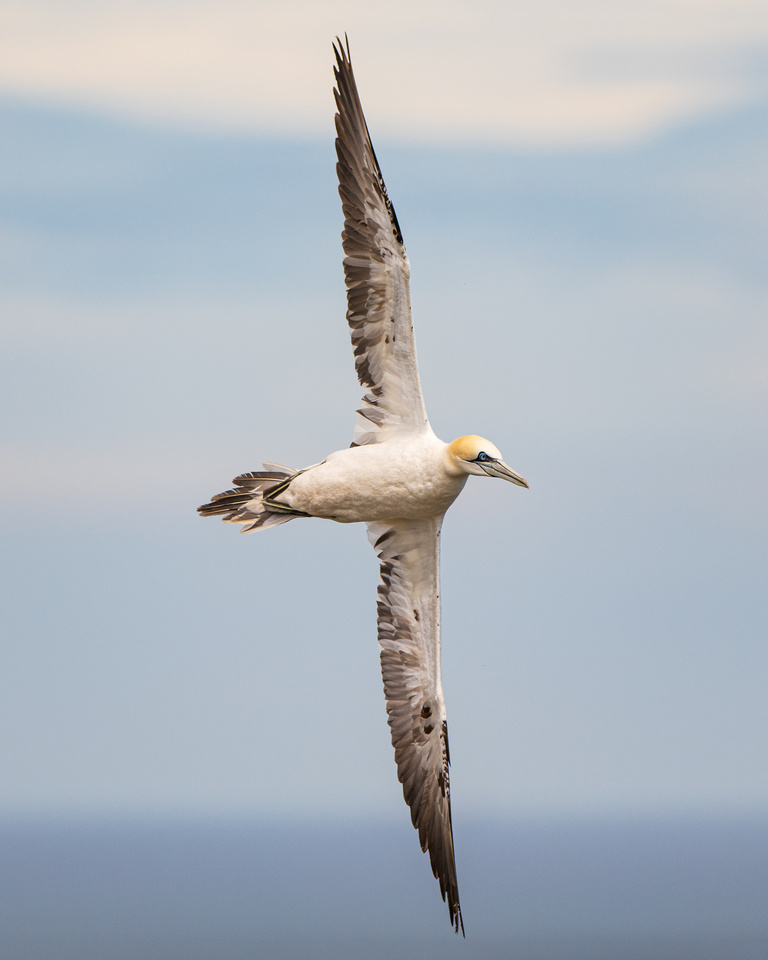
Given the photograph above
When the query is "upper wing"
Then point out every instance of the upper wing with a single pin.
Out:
(376, 271)
(409, 637)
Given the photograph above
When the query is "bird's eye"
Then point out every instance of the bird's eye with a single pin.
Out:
(482, 457)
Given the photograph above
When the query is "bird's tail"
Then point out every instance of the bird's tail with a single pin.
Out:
(253, 500)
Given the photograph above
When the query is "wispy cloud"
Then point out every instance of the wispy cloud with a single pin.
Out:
(550, 73)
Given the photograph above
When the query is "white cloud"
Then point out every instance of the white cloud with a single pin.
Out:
(550, 73)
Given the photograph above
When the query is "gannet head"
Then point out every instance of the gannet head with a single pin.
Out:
(481, 458)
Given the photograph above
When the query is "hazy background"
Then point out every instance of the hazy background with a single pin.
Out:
(582, 190)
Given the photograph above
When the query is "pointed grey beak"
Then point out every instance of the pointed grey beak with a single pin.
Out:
(497, 468)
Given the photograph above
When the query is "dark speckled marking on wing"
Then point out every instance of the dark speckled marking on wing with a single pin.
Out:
(377, 273)
(409, 638)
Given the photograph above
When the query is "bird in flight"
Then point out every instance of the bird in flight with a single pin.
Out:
(397, 477)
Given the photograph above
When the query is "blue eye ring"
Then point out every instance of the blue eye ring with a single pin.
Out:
(482, 457)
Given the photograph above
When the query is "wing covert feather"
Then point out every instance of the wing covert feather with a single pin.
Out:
(376, 272)
(409, 639)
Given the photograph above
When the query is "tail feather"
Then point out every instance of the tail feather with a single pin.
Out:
(269, 519)
(248, 503)
(263, 477)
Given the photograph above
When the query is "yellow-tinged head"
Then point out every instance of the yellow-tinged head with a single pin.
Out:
(479, 457)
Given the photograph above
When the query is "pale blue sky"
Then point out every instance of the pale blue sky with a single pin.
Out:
(172, 310)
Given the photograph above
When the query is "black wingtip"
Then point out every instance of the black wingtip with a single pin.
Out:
(348, 104)
(342, 49)
(451, 897)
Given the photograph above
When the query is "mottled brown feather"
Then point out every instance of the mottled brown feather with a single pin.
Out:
(376, 272)
(409, 638)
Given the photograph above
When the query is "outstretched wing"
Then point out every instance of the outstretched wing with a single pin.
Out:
(376, 271)
(409, 638)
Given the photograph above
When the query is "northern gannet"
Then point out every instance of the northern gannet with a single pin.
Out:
(397, 477)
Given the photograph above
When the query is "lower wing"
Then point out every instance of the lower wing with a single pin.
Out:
(409, 638)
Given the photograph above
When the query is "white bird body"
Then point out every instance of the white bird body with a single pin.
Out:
(397, 477)
(408, 478)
